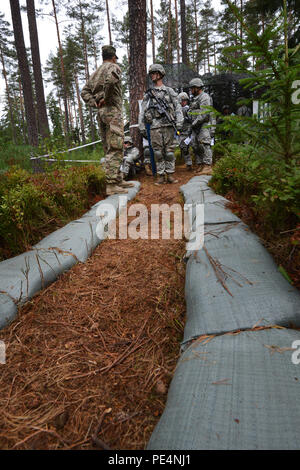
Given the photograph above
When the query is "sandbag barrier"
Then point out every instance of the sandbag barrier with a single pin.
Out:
(23, 276)
(237, 382)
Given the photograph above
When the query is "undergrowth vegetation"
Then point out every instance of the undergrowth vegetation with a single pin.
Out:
(259, 164)
(33, 205)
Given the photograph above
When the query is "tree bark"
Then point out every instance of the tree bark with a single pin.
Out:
(43, 124)
(108, 22)
(80, 110)
(170, 61)
(152, 31)
(67, 125)
(24, 71)
(183, 33)
(11, 114)
(197, 35)
(177, 33)
(137, 62)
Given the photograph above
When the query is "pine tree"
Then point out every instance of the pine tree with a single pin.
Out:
(25, 74)
(276, 135)
(137, 60)
(38, 79)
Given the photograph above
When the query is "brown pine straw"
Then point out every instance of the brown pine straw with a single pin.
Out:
(105, 335)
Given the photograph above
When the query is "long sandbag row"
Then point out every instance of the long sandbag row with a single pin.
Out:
(235, 389)
(24, 275)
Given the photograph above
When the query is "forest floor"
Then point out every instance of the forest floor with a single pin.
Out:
(90, 358)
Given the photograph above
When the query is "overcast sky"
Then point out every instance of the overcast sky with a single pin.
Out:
(47, 31)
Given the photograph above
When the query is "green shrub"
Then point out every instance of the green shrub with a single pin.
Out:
(33, 205)
(271, 185)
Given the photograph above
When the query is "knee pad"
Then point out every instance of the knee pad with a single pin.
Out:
(158, 155)
(170, 156)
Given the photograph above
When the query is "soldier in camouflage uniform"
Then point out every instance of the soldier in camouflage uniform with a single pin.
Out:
(104, 91)
(183, 99)
(131, 154)
(162, 132)
(201, 139)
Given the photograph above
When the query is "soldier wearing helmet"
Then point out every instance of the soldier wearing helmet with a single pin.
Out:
(131, 155)
(184, 100)
(200, 118)
(104, 91)
(162, 132)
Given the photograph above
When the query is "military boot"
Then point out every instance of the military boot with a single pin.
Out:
(148, 170)
(115, 189)
(161, 180)
(170, 179)
(206, 170)
(126, 184)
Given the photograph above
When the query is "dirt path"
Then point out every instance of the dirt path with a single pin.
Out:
(97, 348)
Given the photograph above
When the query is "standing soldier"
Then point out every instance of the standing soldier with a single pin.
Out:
(200, 118)
(183, 99)
(103, 91)
(163, 118)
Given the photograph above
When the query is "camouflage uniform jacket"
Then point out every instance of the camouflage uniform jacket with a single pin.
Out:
(131, 154)
(186, 127)
(150, 115)
(104, 83)
(200, 118)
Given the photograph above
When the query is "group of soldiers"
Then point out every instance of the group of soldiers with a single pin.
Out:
(165, 120)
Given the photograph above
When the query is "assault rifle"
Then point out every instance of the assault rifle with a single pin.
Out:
(161, 106)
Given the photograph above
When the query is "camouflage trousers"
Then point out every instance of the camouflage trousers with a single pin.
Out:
(184, 149)
(112, 136)
(163, 144)
(202, 151)
(147, 159)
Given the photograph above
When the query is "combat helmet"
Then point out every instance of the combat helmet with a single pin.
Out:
(197, 82)
(157, 68)
(183, 96)
(128, 140)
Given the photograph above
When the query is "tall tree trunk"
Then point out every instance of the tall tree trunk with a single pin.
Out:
(152, 31)
(177, 32)
(241, 28)
(11, 114)
(197, 36)
(86, 66)
(137, 63)
(183, 33)
(170, 61)
(43, 124)
(82, 26)
(62, 66)
(207, 48)
(108, 22)
(23, 127)
(25, 74)
(80, 110)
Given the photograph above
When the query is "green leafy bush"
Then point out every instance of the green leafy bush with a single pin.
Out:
(271, 185)
(33, 205)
